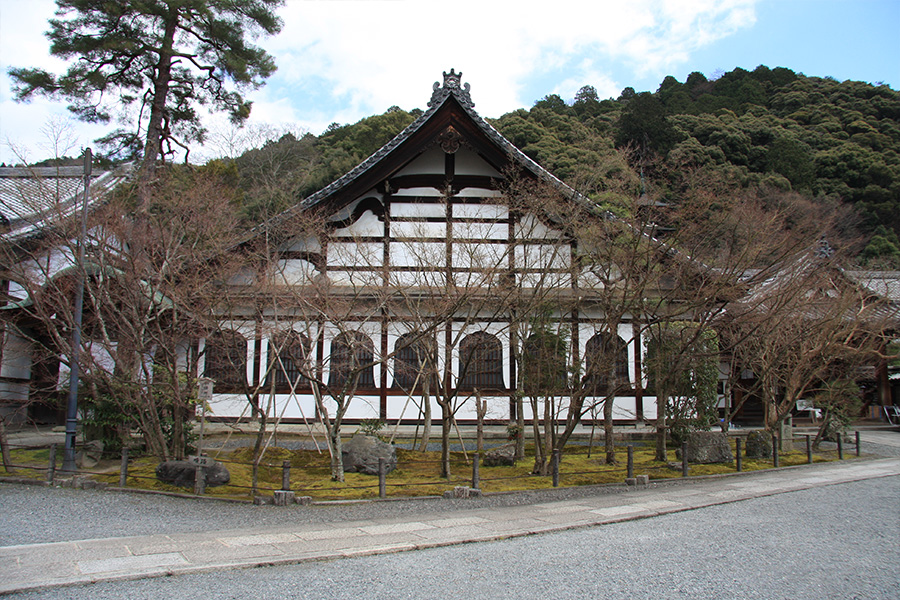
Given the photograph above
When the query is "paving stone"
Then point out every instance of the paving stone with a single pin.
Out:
(130, 563)
(221, 552)
(328, 534)
(259, 539)
(616, 511)
(396, 528)
(454, 522)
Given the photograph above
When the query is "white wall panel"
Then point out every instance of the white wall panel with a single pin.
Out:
(405, 229)
(350, 254)
(480, 211)
(421, 210)
(467, 162)
(367, 225)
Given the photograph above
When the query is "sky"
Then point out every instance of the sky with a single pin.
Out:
(342, 60)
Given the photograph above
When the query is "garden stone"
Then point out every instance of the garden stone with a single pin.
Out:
(759, 445)
(183, 473)
(707, 447)
(362, 452)
(90, 455)
(501, 456)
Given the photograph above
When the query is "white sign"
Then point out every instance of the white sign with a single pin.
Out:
(205, 389)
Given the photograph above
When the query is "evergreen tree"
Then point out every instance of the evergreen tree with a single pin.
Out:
(160, 58)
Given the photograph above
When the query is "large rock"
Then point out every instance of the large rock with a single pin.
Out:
(362, 452)
(708, 447)
(90, 455)
(759, 444)
(183, 473)
(501, 456)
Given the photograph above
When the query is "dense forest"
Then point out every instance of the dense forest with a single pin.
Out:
(767, 128)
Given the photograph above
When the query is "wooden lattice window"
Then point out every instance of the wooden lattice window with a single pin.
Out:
(413, 363)
(606, 364)
(351, 353)
(481, 362)
(226, 360)
(288, 359)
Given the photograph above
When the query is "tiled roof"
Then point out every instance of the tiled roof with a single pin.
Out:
(33, 198)
(452, 88)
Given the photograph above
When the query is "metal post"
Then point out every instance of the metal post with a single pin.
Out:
(382, 485)
(51, 467)
(857, 444)
(738, 455)
(123, 471)
(809, 458)
(684, 460)
(775, 451)
(286, 476)
(476, 474)
(554, 468)
(72, 404)
(630, 461)
(840, 443)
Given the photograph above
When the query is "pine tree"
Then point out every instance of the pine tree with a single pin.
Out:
(161, 59)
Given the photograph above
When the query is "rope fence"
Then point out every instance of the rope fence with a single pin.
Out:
(50, 473)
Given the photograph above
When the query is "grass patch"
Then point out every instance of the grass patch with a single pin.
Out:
(418, 473)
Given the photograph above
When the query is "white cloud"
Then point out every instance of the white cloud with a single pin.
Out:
(343, 60)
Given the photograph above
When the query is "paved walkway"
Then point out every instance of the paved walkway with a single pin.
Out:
(35, 566)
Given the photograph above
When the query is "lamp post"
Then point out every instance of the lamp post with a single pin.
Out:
(72, 405)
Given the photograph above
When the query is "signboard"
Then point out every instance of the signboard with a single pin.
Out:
(205, 389)
(200, 461)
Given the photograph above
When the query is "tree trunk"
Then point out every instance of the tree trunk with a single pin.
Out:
(520, 426)
(661, 403)
(608, 434)
(153, 144)
(4, 448)
(426, 418)
(446, 424)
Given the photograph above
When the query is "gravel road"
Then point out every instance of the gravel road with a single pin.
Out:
(38, 514)
(833, 542)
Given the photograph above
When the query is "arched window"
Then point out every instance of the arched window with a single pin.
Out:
(288, 361)
(544, 364)
(226, 360)
(352, 354)
(606, 364)
(414, 363)
(481, 362)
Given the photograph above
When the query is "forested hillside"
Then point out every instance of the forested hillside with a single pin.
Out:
(770, 128)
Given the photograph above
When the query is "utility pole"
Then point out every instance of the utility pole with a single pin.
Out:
(72, 405)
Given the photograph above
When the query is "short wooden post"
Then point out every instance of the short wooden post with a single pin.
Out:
(286, 475)
(51, 467)
(775, 450)
(630, 461)
(809, 458)
(200, 480)
(382, 484)
(684, 460)
(123, 470)
(857, 444)
(840, 447)
(554, 468)
(739, 459)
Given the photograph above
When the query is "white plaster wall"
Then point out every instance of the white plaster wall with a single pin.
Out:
(480, 231)
(480, 211)
(420, 210)
(294, 271)
(405, 229)
(467, 162)
(418, 254)
(368, 224)
(430, 161)
(350, 254)
(16, 355)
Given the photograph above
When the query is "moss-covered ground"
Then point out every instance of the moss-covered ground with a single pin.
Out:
(417, 473)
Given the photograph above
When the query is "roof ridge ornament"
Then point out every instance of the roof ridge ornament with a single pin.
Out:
(824, 249)
(452, 85)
